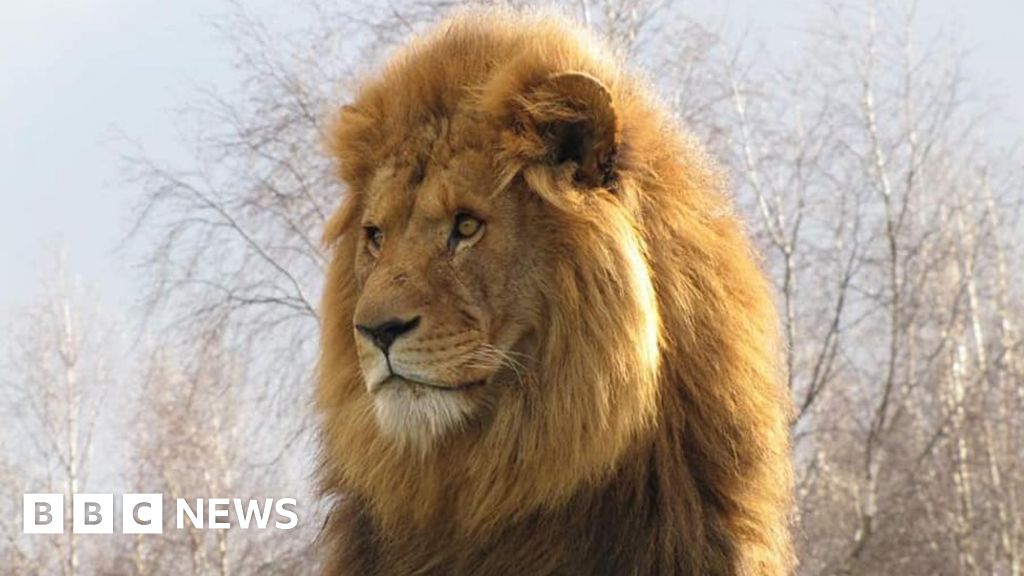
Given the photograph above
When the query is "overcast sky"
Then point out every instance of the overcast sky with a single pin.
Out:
(75, 74)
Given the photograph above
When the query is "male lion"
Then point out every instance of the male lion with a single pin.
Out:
(547, 346)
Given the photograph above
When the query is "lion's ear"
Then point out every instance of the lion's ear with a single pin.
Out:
(572, 116)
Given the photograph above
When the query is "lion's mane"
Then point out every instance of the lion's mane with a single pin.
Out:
(658, 443)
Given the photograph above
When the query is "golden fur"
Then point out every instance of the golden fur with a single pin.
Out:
(588, 384)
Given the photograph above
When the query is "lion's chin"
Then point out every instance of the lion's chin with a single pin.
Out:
(416, 415)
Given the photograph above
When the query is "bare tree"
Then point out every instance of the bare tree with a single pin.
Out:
(860, 170)
(58, 381)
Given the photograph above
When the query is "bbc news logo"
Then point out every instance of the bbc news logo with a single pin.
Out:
(144, 513)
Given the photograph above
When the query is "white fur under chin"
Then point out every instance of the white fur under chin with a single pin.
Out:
(416, 416)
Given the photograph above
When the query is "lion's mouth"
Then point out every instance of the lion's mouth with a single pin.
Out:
(395, 381)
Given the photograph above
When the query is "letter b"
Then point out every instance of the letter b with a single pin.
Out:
(93, 513)
(43, 514)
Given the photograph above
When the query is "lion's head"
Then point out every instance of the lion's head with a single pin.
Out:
(528, 270)
(490, 282)
(477, 299)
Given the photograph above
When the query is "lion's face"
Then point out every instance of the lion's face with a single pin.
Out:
(489, 302)
(446, 302)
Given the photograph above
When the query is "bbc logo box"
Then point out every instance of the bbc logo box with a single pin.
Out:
(92, 513)
(43, 514)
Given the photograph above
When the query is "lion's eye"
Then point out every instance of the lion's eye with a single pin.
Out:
(375, 237)
(466, 227)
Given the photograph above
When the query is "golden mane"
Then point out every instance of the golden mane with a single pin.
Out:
(650, 435)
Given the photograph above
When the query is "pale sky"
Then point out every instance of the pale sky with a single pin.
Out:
(74, 74)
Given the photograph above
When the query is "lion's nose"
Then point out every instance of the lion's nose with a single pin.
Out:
(383, 335)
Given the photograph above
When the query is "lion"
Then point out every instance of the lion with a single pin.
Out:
(547, 344)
